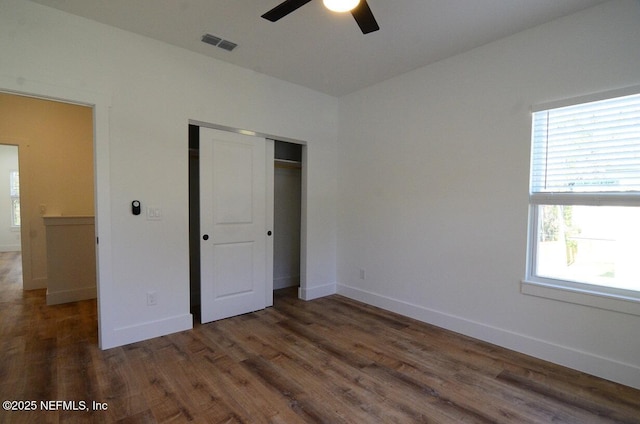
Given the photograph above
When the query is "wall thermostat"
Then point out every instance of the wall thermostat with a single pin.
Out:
(135, 207)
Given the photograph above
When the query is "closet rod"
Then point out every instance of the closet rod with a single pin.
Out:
(289, 164)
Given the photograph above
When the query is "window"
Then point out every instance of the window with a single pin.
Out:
(584, 232)
(14, 190)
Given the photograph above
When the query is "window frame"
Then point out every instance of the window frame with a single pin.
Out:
(593, 295)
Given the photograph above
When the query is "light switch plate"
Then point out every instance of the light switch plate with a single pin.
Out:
(154, 213)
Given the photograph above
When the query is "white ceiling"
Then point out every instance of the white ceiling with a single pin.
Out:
(321, 50)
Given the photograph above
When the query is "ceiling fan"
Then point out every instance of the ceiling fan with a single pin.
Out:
(358, 8)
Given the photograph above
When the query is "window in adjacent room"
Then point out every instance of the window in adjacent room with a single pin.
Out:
(584, 231)
(14, 190)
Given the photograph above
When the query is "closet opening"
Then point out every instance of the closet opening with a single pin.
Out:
(287, 216)
(287, 203)
(194, 220)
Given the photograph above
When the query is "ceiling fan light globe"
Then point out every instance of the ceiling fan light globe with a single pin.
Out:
(341, 5)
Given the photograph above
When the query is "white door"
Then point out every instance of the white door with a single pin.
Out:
(235, 224)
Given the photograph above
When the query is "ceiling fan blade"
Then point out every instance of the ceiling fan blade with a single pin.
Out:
(283, 9)
(364, 17)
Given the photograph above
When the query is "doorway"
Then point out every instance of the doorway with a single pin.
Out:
(56, 145)
(288, 195)
(55, 141)
(10, 239)
(98, 103)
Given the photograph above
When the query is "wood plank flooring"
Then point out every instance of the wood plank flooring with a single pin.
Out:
(331, 360)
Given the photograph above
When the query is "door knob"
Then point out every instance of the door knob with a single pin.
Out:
(205, 237)
(268, 233)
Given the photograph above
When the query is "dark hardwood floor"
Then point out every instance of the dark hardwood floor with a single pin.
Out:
(331, 360)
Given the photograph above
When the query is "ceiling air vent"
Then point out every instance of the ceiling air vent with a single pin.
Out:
(211, 39)
(227, 45)
(219, 42)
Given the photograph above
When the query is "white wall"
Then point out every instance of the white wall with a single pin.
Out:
(9, 237)
(433, 172)
(145, 94)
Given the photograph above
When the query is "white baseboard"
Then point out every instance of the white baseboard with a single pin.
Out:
(35, 283)
(606, 368)
(311, 293)
(66, 296)
(284, 282)
(146, 330)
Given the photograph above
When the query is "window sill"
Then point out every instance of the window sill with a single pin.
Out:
(593, 296)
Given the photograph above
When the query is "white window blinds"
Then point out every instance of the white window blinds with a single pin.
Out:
(14, 183)
(587, 148)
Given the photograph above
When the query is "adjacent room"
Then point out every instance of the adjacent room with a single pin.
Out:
(406, 211)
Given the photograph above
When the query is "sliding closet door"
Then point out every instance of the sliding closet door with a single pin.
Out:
(235, 234)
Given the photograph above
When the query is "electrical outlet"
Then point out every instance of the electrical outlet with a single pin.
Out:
(152, 298)
(362, 274)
